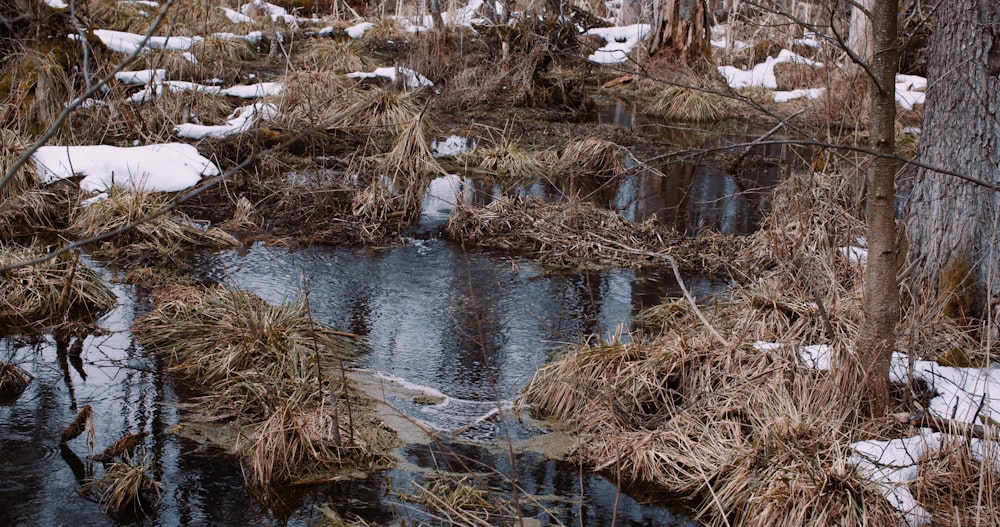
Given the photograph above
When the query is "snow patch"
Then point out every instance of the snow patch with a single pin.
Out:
(167, 167)
(241, 120)
(411, 78)
(763, 74)
(620, 42)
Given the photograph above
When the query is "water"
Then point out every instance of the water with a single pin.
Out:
(471, 327)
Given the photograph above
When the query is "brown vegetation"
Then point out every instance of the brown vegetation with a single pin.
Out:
(272, 373)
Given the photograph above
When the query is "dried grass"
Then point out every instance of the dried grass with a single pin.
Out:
(38, 211)
(270, 371)
(592, 157)
(159, 240)
(50, 292)
(463, 501)
(13, 382)
(127, 491)
(313, 99)
(393, 196)
(678, 103)
(757, 438)
(957, 488)
(330, 55)
(12, 145)
(508, 163)
(579, 234)
(379, 109)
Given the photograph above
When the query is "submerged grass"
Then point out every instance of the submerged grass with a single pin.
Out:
(271, 372)
(13, 382)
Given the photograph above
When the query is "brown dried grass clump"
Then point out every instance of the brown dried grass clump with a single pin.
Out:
(748, 434)
(269, 371)
(680, 103)
(463, 501)
(49, 292)
(580, 234)
(397, 179)
(313, 99)
(13, 382)
(331, 55)
(38, 211)
(162, 238)
(508, 163)
(127, 491)
(12, 146)
(592, 156)
(956, 487)
(379, 110)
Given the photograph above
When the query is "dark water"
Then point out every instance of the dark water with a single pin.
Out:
(471, 327)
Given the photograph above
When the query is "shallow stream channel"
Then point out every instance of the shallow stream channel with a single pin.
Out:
(454, 335)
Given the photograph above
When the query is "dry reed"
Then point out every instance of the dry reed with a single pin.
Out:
(127, 491)
(754, 436)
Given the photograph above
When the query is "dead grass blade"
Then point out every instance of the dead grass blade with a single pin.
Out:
(127, 491)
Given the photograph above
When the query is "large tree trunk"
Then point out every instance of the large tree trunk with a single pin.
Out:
(952, 224)
(870, 374)
(680, 27)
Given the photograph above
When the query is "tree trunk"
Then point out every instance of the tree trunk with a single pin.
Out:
(680, 27)
(870, 374)
(952, 223)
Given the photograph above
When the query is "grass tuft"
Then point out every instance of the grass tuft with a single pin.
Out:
(13, 382)
(50, 292)
(162, 239)
(679, 103)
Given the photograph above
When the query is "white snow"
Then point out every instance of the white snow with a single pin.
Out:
(253, 37)
(620, 42)
(910, 90)
(235, 16)
(147, 3)
(243, 91)
(167, 167)
(720, 39)
(809, 39)
(124, 42)
(56, 4)
(241, 120)
(854, 254)
(358, 30)
(140, 77)
(253, 91)
(762, 74)
(791, 95)
(411, 78)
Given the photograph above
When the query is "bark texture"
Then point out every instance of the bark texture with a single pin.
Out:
(680, 27)
(952, 223)
(881, 294)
